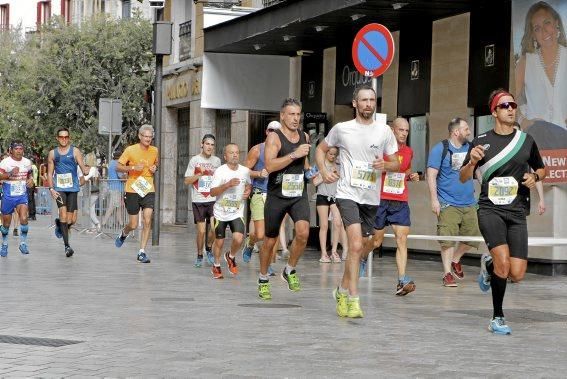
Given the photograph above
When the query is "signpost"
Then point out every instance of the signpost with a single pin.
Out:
(373, 51)
(109, 120)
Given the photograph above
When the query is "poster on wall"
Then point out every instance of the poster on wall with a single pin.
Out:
(540, 52)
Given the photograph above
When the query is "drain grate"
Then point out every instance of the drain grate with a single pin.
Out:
(518, 315)
(172, 299)
(277, 306)
(16, 340)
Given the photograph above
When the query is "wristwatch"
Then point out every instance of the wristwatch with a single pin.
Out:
(292, 156)
(536, 176)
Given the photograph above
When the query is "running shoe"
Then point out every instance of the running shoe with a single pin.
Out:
(143, 258)
(4, 251)
(362, 268)
(264, 290)
(199, 261)
(457, 270)
(405, 286)
(292, 280)
(271, 271)
(119, 241)
(247, 252)
(58, 232)
(15, 232)
(69, 251)
(217, 272)
(484, 277)
(341, 299)
(210, 256)
(498, 326)
(231, 263)
(354, 310)
(24, 248)
(449, 280)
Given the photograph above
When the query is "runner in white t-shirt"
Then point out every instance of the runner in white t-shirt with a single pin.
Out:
(362, 144)
(231, 185)
(16, 173)
(199, 175)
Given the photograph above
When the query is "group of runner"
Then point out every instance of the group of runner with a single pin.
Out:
(371, 193)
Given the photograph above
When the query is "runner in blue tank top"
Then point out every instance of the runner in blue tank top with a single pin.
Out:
(259, 174)
(63, 182)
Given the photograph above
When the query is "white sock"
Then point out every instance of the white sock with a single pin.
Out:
(289, 269)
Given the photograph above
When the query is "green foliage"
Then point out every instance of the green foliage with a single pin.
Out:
(55, 79)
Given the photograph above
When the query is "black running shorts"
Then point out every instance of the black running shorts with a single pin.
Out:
(355, 213)
(276, 208)
(236, 226)
(68, 200)
(504, 227)
(135, 202)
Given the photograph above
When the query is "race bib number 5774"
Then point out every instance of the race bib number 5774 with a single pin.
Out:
(363, 175)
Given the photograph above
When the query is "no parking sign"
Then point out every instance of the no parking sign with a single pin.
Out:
(373, 50)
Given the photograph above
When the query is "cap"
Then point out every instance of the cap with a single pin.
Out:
(274, 125)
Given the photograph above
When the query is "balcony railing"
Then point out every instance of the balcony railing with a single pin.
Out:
(185, 41)
(269, 3)
(227, 4)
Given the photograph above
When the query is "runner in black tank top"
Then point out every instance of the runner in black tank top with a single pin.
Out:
(275, 179)
(285, 158)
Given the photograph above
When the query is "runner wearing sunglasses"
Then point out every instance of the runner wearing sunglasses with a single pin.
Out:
(504, 157)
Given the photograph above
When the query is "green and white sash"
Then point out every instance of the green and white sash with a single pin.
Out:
(504, 156)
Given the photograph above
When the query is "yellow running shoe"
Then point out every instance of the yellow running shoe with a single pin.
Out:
(264, 291)
(354, 310)
(341, 299)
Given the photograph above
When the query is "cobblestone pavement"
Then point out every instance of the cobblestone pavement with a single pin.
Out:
(101, 314)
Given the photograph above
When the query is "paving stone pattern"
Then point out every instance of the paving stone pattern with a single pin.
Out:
(170, 319)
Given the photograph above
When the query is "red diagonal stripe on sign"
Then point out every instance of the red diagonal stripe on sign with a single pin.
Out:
(373, 50)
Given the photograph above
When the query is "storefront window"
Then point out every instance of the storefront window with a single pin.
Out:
(418, 143)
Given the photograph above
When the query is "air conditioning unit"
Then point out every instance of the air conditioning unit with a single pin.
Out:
(157, 4)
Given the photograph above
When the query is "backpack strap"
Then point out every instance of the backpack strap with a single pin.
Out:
(446, 150)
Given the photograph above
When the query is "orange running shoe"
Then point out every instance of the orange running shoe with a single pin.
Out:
(217, 273)
(231, 263)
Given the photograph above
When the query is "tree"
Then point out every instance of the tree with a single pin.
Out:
(61, 73)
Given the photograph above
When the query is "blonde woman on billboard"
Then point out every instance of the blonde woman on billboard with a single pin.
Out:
(541, 77)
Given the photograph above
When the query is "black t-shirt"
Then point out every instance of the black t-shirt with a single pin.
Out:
(507, 156)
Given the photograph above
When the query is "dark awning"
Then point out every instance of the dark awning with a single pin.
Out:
(293, 25)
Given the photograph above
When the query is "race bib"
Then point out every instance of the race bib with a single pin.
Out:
(457, 160)
(363, 175)
(230, 203)
(394, 182)
(17, 188)
(141, 186)
(204, 184)
(292, 185)
(64, 180)
(502, 190)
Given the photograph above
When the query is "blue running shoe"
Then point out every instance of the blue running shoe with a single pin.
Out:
(58, 232)
(4, 251)
(24, 248)
(143, 258)
(498, 326)
(210, 256)
(362, 268)
(119, 241)
(247, 253)
(199, 261)
(271, 271)
(484, 277)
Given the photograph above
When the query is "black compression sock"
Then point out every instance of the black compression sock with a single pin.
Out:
(65, 232)
(498, 285)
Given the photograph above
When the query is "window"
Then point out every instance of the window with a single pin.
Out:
(43, 12)
(126, 9)
(418, 143)
(4, 16)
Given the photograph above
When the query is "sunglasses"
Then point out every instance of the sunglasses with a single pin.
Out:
(507, 105)
(63, 137)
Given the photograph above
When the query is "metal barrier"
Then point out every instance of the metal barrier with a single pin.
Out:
(101, 213)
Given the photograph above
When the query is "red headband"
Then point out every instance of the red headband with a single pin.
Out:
(497, 97)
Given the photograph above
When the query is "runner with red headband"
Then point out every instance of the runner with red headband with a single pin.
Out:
(503, 157)
(16, 172)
